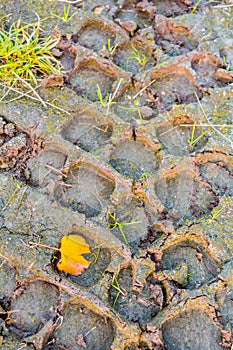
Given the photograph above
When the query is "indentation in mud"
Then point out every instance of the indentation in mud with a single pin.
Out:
(133, 220)
(130, 109)
(134, 305)
(95, 35)
(89, 74)
(7, 280)
(80, 323)
(173, 8)
(188, 264)
(88, 131)
(86, 189)
(134, 56)
(132, 16)
(99, 259)
(67, 59)
(173, 38)
(64, 54)
(45, 166)
(184, 195)
(86, 81)
(191, 329)
(224, 298)
(134, 158)
(219, 175)
(205, 66)
(170, 8)
(154, 232)
(35, 305)
(175, 138)
(101, 8)
(173, 85)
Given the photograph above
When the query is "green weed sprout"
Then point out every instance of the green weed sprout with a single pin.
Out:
(216, 213)
(23, 54)
(228, 67)
(115, 285)
(96, 255)
(113, 223)
(66, 14)
(136, 55)
(192, 141)
(111, 48)
(145, 175)
(190, 278)
(101, 99)
(109, 101)
(195, 7)
(135, 108)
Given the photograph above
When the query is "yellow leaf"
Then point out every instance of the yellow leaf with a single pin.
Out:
(72, 261)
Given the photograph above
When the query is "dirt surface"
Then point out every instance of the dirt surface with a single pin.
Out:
(132, 150)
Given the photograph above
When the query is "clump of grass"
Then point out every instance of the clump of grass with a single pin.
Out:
(106, 103)
(216, 213)
(136, 55)
(66, 17)
(24, 54)
(111, 48)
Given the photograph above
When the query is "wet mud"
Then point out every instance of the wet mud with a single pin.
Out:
(132, 149)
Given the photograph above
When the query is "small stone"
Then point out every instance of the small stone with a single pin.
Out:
(146, 112)
(2, 124)
(130, 26)
(99, 9)
(11, 148)
(80, 341)
(10, 129)
(224, 76)
(56, 52)
(53, 80)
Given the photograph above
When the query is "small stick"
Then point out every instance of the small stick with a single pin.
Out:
(222, 6)
(145, 87)
(208, 125)
(202, 109)
(55, 170)
(34, 244)
(71, 2)
(31, 88)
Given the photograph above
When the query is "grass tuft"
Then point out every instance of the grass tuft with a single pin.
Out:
(136, 55)
(24, 54)
(66, 17)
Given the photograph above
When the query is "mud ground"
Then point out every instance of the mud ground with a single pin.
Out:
(140, 129)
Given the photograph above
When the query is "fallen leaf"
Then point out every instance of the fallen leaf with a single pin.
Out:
(72, 261)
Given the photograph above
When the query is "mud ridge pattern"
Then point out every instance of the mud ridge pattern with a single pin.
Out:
(133, 153)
